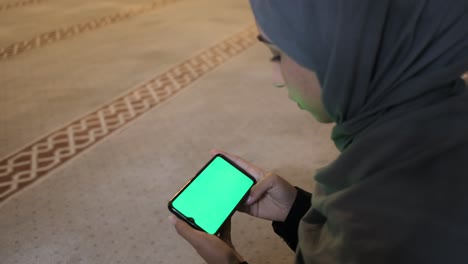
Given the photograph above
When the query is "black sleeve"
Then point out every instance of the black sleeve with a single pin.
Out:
(288, 229)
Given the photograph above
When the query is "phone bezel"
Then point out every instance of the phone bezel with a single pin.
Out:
(191, 223)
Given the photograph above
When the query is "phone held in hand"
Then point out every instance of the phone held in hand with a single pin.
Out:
(211, 197)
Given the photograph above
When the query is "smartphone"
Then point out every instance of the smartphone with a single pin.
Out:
(211, 197)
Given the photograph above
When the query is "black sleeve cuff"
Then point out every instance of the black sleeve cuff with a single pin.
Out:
(288, 229)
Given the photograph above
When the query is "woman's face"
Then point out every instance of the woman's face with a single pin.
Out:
(302, 84)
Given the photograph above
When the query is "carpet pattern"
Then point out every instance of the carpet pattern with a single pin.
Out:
(11, 5)
(33, 162)
(46, 38)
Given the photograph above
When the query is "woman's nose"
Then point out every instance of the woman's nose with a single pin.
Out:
(278, 80)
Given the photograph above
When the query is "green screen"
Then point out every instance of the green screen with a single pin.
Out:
(213, 195)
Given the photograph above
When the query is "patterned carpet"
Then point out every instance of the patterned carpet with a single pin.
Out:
(109, 107)
(63, 144)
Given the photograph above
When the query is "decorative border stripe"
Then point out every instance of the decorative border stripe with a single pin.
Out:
(7, 6)
(68, 32)
(35, 161)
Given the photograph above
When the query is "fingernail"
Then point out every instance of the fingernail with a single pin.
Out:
(172, 219)
(249, 200)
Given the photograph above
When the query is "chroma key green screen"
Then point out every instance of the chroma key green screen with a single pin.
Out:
(212, 196)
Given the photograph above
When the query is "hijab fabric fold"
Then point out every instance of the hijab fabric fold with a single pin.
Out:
(372, 58)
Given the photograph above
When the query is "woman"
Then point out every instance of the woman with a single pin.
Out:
(388, 74)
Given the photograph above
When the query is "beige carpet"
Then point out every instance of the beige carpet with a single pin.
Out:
(105, 121)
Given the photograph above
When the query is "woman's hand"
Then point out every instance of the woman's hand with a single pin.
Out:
(213, 249)
(271, 198)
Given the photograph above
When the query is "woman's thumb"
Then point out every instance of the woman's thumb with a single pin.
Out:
(259, 189)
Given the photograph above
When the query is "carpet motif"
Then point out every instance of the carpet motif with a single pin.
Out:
(35, 161)
(7, 6)
(74, 30)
